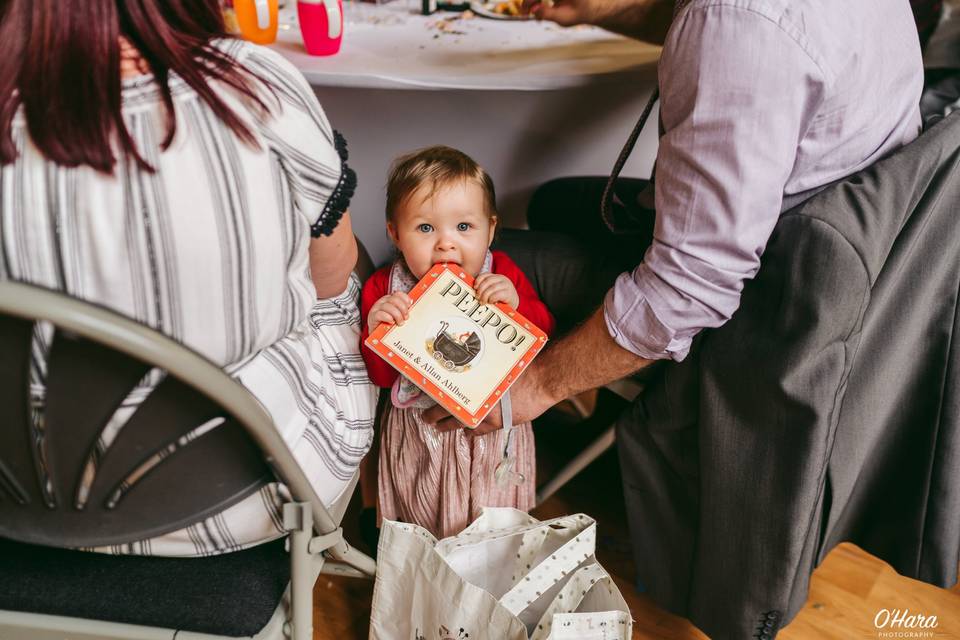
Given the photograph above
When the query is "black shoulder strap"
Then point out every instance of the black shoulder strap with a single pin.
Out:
(606, 202)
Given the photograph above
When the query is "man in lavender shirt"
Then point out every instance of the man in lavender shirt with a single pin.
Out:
(763, 102)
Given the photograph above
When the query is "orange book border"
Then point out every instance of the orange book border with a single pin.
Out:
(375, 341)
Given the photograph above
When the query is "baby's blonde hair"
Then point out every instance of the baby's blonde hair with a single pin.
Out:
(437, 166)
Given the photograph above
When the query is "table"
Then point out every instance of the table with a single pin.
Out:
(530, 101)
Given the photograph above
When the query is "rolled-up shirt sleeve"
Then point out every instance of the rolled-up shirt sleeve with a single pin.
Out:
(737, 93)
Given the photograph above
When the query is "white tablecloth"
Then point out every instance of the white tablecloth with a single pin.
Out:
(390, 46)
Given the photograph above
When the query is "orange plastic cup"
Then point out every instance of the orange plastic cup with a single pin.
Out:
(257, 20)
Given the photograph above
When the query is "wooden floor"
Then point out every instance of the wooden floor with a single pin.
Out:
(847, 590)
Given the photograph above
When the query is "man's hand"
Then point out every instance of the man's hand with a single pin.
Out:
(646, 20)
(493, 287)
(528, 399)
(569, 12)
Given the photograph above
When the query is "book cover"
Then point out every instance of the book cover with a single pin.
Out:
(462, 353)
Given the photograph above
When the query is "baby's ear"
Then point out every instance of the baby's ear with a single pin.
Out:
(493, 230)
(392, 232)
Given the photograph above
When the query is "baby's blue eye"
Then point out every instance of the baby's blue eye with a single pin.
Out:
(425, 228)
(463, 226)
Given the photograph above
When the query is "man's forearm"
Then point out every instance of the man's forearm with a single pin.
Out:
(646, 20)
(586, 358)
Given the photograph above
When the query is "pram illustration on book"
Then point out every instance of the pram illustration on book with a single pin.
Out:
(454, 351)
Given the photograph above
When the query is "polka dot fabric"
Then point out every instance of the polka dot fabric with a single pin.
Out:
(506, 571)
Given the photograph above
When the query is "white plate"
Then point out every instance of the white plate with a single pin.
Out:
(485, 9)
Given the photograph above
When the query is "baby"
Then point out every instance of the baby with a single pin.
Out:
(441, 208)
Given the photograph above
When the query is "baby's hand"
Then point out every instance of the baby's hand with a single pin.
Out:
(493, 287)
(391, 309)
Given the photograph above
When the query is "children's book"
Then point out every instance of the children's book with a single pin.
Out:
(464, 354)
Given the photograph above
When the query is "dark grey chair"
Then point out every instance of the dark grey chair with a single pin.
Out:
(198, 444)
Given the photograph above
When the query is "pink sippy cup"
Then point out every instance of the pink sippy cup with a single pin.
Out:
(321, 24)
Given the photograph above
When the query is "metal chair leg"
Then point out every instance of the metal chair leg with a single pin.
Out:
(298, 520)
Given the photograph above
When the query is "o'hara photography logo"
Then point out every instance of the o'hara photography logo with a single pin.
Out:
(903, 623)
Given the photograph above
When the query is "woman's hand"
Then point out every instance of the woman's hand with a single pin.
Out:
(390, 309)
(493, 287)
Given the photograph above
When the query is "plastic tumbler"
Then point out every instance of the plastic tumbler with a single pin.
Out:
(257, 20)
(321, 24)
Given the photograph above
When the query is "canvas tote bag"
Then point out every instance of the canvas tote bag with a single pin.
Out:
(507, 576)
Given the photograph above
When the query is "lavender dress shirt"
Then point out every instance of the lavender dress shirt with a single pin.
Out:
(761, 100)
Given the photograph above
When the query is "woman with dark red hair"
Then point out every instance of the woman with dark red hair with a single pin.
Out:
(154, 165)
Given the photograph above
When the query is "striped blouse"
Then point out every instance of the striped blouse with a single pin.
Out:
(212, 250)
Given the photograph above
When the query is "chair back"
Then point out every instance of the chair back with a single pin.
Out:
(104, 459)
